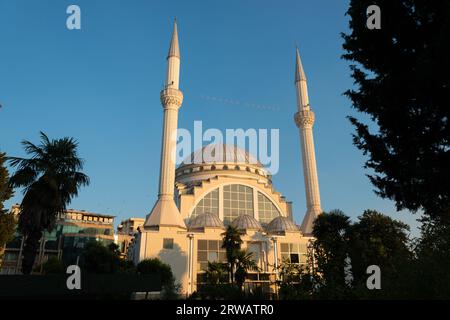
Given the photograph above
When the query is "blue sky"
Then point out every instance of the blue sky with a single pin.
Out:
(101, 85)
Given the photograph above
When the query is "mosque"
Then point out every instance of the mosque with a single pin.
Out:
(199, 199)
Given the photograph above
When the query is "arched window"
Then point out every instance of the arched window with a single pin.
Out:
(237, 199)
(266, 209)
(209, 203)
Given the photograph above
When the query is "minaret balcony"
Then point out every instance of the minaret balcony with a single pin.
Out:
(171, 96)
(304, 118)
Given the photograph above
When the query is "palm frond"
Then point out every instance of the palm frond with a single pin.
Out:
(44, 138)
(23, 177)
(32, 149)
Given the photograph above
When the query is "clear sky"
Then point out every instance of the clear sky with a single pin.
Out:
(101, 85)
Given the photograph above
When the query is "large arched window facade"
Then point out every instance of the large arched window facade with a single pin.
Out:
(266, 209)
(209, 204)
(237, 199)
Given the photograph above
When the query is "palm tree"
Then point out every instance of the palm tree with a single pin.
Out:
(244, 263)
(232, 244)
(216, 272)
(51, 177)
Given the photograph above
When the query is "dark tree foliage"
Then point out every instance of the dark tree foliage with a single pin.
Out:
(216, 273)
(170, 289)
(433, 261)
(50, 178)
(98, 258)
(154, 265)
(296, 281)
(377, 239)
(331, 248)
(53, 266)
(244, 263)
(7, 221)
(232, 244)
(6, 191)
(402, 82)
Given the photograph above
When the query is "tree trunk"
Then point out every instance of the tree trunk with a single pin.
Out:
(30, 250)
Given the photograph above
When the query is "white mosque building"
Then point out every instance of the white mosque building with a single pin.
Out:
(197, 200)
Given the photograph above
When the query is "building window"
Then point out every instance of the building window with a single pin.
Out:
(293, 252)
(294, 257)
(168, 243)
(9, 256)
(255, 249)
(209, 204)
(266, 209)
(237, 200)
(209, 251)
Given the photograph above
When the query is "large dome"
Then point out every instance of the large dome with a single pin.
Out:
(205, 220)
(220, 159)
(281, 224)
(221, 153)
(246, 222)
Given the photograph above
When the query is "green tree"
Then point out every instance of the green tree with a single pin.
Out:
(295, 281)
(53, 266)
(98, 258)
(244, 262)
(402, 78)
(216, 272)
(377, 239)
(232, 244)
(51, 177)
(7, 221)
(156, 266)
(170, 289)
(431, 272)
(330, 252)
(6, 191)
(7, 228)
(343, 249)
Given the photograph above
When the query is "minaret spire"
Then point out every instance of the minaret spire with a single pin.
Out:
(165, 211)
(173, 60)
(304, 118)
(174, 49)
(301, 84)
(299, 72)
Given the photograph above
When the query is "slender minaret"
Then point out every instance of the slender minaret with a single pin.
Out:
(304, 118)
(165, 211)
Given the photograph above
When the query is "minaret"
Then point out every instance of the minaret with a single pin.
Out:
(304, 118)
(165, 211)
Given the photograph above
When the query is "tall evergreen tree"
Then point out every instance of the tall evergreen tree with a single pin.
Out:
(402, 82)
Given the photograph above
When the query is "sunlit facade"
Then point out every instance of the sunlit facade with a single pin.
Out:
(211, 196)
